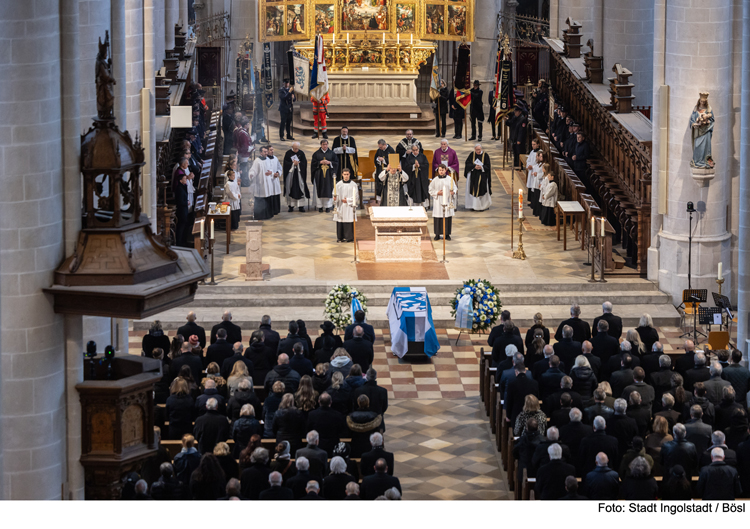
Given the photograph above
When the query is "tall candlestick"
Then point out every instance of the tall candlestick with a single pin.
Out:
(593, 224)
(212, 228)
(602, 220)
(520, 203)
(720, 267)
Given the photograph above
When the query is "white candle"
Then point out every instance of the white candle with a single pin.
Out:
(602, 219)
(411, 38)
(593, 224)
(383, 38)
(334, 39)
(347, 38)
(520, 203)
(212, 228)
(398, 38)
(202, 229)
(720, 266)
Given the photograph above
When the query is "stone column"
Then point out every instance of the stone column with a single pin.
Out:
(149, 140)
(159, 48)
(134, 71)
(660, 135)
(94, 20)
(689, 69)
(484, 47)
(31, 247)
(629, 30)
(244, 22)
(183, 20)
(171, 14)
(587, 12)
(743, 256)
(118, 38)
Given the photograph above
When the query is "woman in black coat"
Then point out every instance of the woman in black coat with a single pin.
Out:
(289, 423)
(302, 333)
(180, 409)
(262, 357)
(677, 486)
(207, 482)
(584, 379)
(227, 460)
(649, 335)
(536, 329)
(154, 338)
(362, 424)
(328, 340)
(639, 485)
(334, 485)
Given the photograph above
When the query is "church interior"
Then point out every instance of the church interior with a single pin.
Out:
(220, 278)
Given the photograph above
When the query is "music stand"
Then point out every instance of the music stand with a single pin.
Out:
(723, 303)
(694, 296)
(706, 316)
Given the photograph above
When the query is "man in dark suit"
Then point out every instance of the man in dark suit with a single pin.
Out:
(716, 384)
(621, 379)
(210, 392)
(312, 491)
(192, 328)
(376, 484)
(549, 381)
(298, 482)
(552, 403)
(686, 361)
(360, 349)
(567, 348)
(299, 363)
(699, 373)
(615, 322)
(739, 377)
(604, 346)
(719, 481)
(317, 457)
(699, 398)
(272, 338)
(602, 483)
(187, 358)
(367, 463)
(211, 428)
(581, 329)
(680, 451)
(598, 408)
(550, 478)
(718, 439)
(327, 422)
(597, 442)
(698, 432)
(498, 329)
(541, 455)
(561, 416)
(639, 412)
(228, 364)
(378, 396)
(286, 345)
(359, 320)
(234, 333)
(670, 415)
(219, 350)
(661, 380)
(284, 373)
(517, 390)
(647, 392)
(508, 337)
(622, 427)
(574, 432)
(650, 360)
(541, 366)
(276, 491)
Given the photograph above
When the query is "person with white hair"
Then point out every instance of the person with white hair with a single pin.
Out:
(276, 491)
(298, 482)
(478, 174)
(680, 452)
(352, 491)
(295, 178)
(716, 384)
(254, 478)
(638, 483)
(312, 489)
(719, 440)
(581, 329)
(368, 460)
(649, 335)
(615, 322)
(602, 483)
(334, 484)
(584, 379)
(210, 428)
(446, 156)
(316, 455)
(622, 426)
(598, 442)
(141, 490)
(719, 481)
(234, 332)
(574, 432)
(550, 478)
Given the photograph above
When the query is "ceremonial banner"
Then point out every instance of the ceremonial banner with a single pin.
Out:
(462, 81)
(435, 78)
(266, 75)
(505, 98)
(318, 73)
(410, 320)
(299, 74)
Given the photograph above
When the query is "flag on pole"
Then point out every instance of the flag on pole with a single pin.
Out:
(435, 79)
(410, 320)
(505, 99)
(299, 73)
(319, 73)
(462, 82)
(266, 75)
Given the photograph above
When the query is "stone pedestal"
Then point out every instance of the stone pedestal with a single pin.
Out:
(373, 88)
(702, 176)
(254, 251)
(398, 233)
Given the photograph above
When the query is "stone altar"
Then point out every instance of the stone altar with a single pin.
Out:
(374, 88)
(398, 232)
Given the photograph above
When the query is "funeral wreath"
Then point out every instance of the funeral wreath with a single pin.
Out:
(476, 305)
(338, 305)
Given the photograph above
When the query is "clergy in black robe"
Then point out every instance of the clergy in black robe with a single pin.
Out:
(323, 175)
(404, 146)
(476, 111)
(381, 162)
(418, 168)
(478, 180)
(346, 159)
(295, 178)
(393, 184)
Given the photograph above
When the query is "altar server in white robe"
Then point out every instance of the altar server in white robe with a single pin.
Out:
(443, 191)
(530, 160)
(277, 172)
(478, 173)
(537, 171)
(347, 198)
(261, 184)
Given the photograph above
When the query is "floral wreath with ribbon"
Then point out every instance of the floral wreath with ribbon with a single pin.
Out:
(476, 305)
(341, 303)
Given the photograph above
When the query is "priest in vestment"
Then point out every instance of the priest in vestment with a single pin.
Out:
(342, 144)
(443, 191)
(261, 183)
(278, 172)
(323, 169)
(404, 146)
(381, 162)
(530, 163)
(393, 179)
(418, 168)
(295, 178)
(445, 156)
(347, 198)
(478, 173)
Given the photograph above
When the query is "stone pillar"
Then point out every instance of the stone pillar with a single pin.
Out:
(184, 15)
(74, 348)
(171, 14)
(94, 20)
(587, 12)
(629, 30)
(743, 201)
(159, 48)
(660, 136)
(689, 69)
(149, 140)
(118, 38)
(134, 71)
(484, 47)
(244, 22)
(31, 247)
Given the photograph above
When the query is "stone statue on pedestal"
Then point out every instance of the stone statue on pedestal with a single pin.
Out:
(702, 127)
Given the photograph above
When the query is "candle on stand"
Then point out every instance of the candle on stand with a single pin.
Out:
(212, 228)
(334, 39)
(347, 38)
(202, 229)
(602, 220)
(720, 266)
(383, 38)
(398, 38)
(593, 228)
(520, 203)
(411, 38)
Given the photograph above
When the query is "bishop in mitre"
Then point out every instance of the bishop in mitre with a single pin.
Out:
(347, 198)
(478, 171)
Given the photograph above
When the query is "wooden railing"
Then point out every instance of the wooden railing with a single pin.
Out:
(620, 168)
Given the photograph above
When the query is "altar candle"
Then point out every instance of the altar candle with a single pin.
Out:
(383, 38)
(398, 38)
(411, 38)
(602, 219)
(347, 38)
(593, 226)
(202, 229)
(520, 203)
(720, 266)
(212, 228)
(334, 39)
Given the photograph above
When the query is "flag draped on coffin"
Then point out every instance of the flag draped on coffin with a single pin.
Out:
(319, 74)
(410, 320)
(462, 82)
(505, 98)
(299, 73)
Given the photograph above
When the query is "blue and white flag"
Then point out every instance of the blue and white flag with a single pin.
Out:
(356, 305)
(319, 73)
(410, 319)
(464, 314)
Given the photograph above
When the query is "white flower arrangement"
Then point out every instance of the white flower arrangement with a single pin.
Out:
(338, 305)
